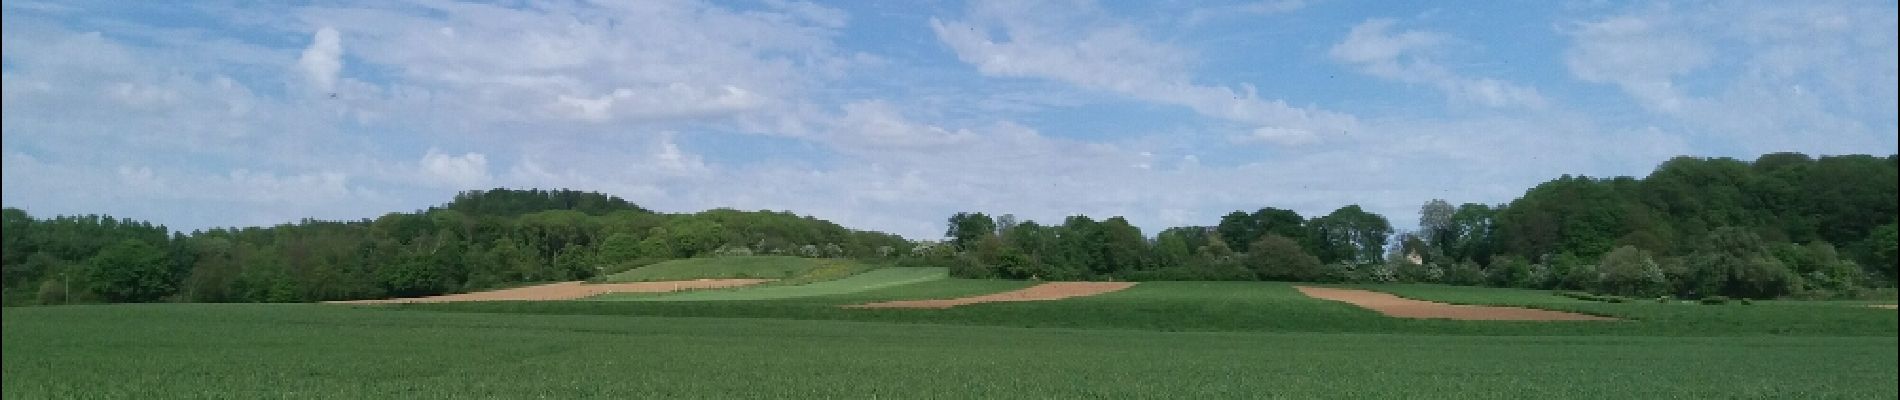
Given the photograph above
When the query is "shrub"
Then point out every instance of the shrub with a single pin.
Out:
(1713, 300)
(1465, 273)
(1381, 273)
(1339, 272)
(1510, 271)
(1630, 271)
(1540, 276)
(1734, 262)
(1579, 275)
(1275, 257)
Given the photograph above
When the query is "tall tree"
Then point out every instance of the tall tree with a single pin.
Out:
(1472, 233)
(1238, 230)
(1436, 228)
(1351, 234)
(1123, 247)
(131, 271)
(966, 228)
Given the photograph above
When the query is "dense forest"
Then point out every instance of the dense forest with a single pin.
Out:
(479, 240)
(1785, 225)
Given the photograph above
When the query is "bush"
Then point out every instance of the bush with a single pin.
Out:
(1510, 271)
(1713, 300)
(1381, 273)
(1465, 273)
(1275, 257)
(1339, 272)
(1630, 271)
(969, 267)
(1734, 262)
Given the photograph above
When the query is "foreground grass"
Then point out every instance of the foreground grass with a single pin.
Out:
(1251, 307)
(318, 351)
(871, 280)
(795, 270)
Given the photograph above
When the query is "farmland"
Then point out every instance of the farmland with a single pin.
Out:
(743, 267)
(1155, 339)
(871, 280)
(798, 337)
(1251, 307)
(324, 351)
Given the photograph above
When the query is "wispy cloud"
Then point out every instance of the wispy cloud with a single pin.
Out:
(1406, 56)
(1089, 50)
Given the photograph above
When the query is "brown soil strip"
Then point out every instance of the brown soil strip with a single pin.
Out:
(1043, 292)
(1399, 307)
(568, 291)
(1886, 306)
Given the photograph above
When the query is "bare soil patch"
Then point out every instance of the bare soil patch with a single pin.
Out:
(1043, 292)
(1399, 307)
(568, 291)
(1886, 306)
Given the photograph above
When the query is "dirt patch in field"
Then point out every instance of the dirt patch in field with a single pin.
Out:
(1886, 306)
(1399, 307)
(1043, 292)
(569, 291)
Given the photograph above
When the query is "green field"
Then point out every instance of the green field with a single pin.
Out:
(795, 269)
(1156, 340)
(869, 280)
(1252, 307)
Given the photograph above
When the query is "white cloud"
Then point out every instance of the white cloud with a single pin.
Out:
(655, 102)
(1262, 7)
(1638, 53)
(1079, 46)
(1282, 136)
(1407, 57)
(323, 59)
(822, 16)
(463, 172)
(1760, 77)
(650, 61)
(875, 126)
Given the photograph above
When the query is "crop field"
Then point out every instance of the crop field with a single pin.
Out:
(760, 267)
(869, 280)
(1154, 340)
(325, 351)
(1251, 307)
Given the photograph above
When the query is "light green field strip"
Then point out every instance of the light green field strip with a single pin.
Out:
(765, 267)
(871, 280)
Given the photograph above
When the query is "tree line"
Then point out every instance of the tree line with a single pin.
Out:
(1786, 224)
(481, 239)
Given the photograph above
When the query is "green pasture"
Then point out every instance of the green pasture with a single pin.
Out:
(866, 281)
(796, 269)
(331, 352)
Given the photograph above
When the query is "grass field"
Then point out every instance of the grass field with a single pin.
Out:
(316, 351)
(793, 269)
(1253, 307)
(1155, 340)
(869, 280)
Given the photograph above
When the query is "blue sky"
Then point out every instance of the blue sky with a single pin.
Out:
(892, 115)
